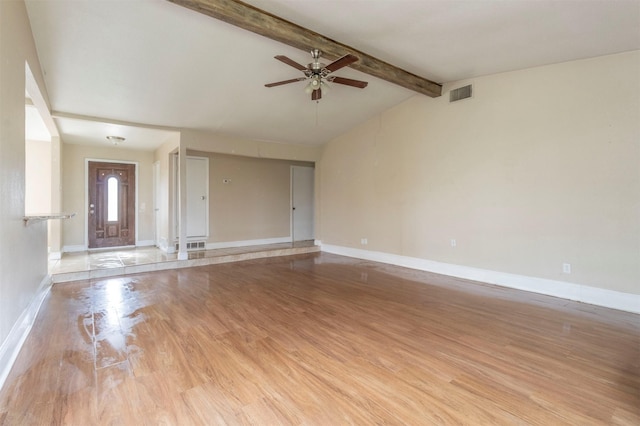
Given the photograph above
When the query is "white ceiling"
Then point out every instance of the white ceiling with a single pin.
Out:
(86, 132)
(155, 63)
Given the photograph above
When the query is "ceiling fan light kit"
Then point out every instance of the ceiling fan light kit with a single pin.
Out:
(318, 74)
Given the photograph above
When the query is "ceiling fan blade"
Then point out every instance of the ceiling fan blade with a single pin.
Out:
(316, 95)
(280, 83)
(290, 62)
(349, 82)
(347, 59)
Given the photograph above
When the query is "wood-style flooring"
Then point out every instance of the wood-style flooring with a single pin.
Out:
(320, 339)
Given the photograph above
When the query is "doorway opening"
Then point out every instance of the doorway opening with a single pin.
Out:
(42, 194)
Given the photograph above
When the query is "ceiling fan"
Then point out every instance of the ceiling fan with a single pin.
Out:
(318, 73)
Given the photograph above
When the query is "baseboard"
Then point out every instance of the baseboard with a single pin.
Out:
(18, 334)
(145, 243)
(55, 255)
(245, 243)
(577, 292)
(74, 248)
(166, 247)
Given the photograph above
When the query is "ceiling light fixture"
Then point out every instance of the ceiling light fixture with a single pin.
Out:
(314, 84)
(116, 140)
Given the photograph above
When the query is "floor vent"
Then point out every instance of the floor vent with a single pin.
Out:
(194, 245)
(460, 93)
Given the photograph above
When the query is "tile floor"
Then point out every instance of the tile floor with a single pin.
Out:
(98, 264)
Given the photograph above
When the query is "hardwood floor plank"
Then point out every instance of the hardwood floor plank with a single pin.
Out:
(320, 339)
(38, 414)
(207, 404)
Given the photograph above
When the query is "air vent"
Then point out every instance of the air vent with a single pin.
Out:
(195, 245)
(460, 93)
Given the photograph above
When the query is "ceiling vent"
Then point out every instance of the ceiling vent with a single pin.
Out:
(460, 93)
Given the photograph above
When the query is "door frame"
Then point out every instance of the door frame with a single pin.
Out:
(86, 198)
(174, 196)
(156, 202)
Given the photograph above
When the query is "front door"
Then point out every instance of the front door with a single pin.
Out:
(112, 197)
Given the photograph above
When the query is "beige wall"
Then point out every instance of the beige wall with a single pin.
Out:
(23, 249)
(255, 204)
(541, 167)
(37, 177)
(74, 187)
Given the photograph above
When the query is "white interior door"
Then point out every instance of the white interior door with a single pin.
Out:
(302, 203)
(197, 197)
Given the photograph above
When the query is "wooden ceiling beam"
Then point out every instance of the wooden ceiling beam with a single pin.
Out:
(260, 22)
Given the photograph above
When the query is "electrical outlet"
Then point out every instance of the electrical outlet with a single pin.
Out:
(566, 268)
(453, 242)
(363, 241)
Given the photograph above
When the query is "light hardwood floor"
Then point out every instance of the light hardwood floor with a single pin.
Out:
(320, 339)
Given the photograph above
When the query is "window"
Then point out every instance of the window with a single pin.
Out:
(112, 199)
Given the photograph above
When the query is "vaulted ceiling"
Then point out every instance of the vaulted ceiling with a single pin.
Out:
(153, 63)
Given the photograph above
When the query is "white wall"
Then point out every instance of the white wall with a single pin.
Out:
(23, 249)
(541, 167)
